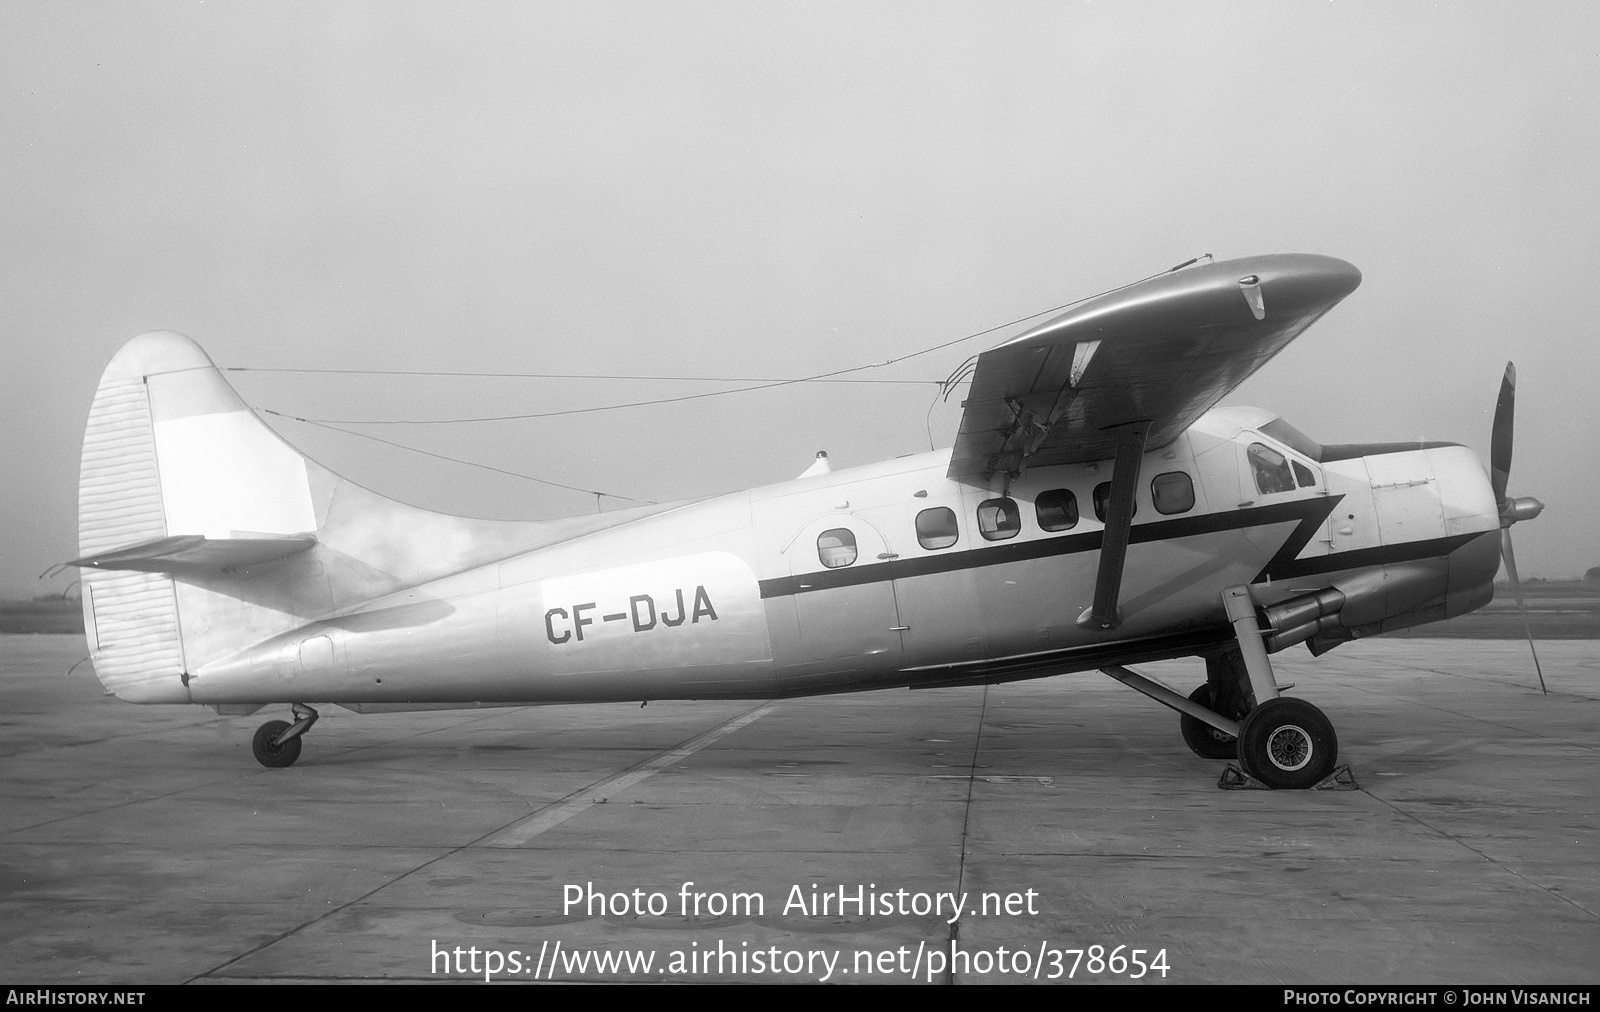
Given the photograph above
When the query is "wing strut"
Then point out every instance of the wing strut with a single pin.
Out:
(1130, 438)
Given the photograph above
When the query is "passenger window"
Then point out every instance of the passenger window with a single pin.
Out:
(1303, 473)
(936, 527)
(1056, 510)
(836, 548)
(999, 519)
(1271, 469)
(1172, 492)
(1102, 495)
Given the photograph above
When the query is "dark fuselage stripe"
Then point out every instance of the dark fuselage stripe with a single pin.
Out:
(1296, 542)
(1309, 513)
(1359, 558)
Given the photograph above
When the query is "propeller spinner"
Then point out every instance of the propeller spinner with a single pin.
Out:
(1512, 510)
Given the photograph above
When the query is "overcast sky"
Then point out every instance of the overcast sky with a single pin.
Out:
(770, 189)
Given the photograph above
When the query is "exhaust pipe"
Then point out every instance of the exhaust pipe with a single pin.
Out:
(1300, 618)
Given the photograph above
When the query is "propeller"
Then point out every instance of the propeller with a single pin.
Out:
(1505, 411)
(1511, 510)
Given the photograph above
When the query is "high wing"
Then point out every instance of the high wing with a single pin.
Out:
(1160, 352)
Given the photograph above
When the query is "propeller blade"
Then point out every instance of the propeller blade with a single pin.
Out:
(1500, 437)
(1516, 589)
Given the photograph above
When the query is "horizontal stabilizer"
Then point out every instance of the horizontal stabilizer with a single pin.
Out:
(193, 553)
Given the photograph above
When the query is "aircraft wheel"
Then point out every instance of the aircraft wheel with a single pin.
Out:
(1288, 744)
(270, 755)
(1204, 740)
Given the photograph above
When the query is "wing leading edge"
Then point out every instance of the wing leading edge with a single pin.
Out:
(1162, 351)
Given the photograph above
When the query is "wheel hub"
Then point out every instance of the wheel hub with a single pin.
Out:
(1289, 748)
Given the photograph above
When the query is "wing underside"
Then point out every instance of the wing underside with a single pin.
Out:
(1162, 352)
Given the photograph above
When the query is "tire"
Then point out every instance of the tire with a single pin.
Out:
(270, 755)
(1288, 744)
(1204, 740)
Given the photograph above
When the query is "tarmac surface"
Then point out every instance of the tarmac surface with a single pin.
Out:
(144, 844)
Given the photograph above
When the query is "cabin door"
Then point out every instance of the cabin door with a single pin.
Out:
(843, 595)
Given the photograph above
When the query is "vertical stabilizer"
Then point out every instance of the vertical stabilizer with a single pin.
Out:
(170, 450)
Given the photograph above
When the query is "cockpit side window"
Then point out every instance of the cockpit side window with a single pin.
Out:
(1303, 474)
(1270, 468)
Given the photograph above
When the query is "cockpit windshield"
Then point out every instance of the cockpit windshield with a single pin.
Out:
(1293, 438)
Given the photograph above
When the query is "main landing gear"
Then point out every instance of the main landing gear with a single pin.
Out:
(1283, 743)
(277, 742)
(1238, 714)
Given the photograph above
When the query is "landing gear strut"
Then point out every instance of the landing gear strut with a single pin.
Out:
(1238, 713)
(1226, 692)
(1203, 740)
(277, 742)
(1283, 742)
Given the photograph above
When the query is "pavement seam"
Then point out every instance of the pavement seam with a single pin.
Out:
(522, 830)
(243, 774)
(1508, 682)
(1472, 716)
(1473, 850)
(966, 820)
(458, 849)
(124, 804)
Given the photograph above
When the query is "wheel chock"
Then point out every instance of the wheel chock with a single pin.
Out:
(1235, 779)
(1341, 779)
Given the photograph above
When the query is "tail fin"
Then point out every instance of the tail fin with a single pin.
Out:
(172, 458)
(201, 533)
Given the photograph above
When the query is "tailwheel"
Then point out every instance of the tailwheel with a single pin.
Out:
(1288, 744)
(1204, 740)
(277, 743)
(271, 755)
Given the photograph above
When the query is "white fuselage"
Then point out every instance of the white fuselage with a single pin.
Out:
(759, 594)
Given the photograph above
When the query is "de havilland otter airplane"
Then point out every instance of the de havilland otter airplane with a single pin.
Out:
(1095, 511)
